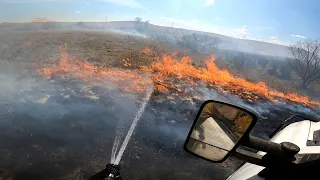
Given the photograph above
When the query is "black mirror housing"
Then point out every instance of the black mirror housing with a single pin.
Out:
(218, 129)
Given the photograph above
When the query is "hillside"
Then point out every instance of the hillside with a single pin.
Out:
(128, 27)
(69, 90)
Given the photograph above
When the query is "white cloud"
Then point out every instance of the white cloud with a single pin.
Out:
(77, 12)
(199, 25)
(192, 24)
(261, 28)
(217, 18)
(259, 38)
(240, 32)
(209, 2)
(298, 36)
(128, 3)
(237, 32)
(276, 40)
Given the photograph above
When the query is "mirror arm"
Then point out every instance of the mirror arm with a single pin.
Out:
(267, 160)
(263, 145)
(278, 155)
(249, 157)
(284, 149)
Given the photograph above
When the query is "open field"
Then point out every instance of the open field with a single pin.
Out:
(63, 127)
(228, 43)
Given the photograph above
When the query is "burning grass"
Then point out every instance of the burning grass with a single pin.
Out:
(128, 80)
(168, 75)
(220, 79)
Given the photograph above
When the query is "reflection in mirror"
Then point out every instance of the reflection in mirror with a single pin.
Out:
(217, 130)
(207, 151)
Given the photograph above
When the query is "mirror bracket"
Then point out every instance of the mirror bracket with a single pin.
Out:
(248, 156)
(278, 155)
(286, 149)
(268, 160)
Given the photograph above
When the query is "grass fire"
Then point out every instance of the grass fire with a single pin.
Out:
(167, 75)
(66, 94)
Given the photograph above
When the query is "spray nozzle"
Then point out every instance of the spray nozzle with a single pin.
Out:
(111, 172)
(114, 170)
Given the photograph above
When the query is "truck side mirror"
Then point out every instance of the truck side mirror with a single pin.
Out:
(218, 130)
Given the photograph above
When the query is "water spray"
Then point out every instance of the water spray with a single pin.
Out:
(132, 127)
(131, 130)
(112, 170)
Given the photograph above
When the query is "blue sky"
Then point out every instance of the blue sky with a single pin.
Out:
(277, 21)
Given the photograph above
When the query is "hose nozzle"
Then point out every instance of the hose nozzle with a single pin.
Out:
(114, 171)
(111, 172)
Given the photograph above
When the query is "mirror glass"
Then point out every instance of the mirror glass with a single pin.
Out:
(218, 130)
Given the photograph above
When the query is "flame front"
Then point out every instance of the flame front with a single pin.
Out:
(167, 75)
(132, 81)
(218, 79)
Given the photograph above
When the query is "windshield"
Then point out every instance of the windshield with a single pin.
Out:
(91, 82)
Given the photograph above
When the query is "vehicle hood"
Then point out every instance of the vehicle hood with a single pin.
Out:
(300, 133)
(296, 133)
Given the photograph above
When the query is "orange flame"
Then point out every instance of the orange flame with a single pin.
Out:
(127, 62)
(146, 51)
(167, 76)
(220, 79)
(131, 81)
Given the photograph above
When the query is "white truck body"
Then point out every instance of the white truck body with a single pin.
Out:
(298, 133)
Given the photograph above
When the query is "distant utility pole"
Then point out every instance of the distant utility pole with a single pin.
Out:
(106, 18)
(172, 24)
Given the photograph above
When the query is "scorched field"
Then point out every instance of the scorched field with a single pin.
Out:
(66, 94)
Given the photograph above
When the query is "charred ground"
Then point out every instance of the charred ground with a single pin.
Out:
(64, 127)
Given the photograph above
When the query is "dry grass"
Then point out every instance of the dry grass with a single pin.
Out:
(33, 49)
(107, 49)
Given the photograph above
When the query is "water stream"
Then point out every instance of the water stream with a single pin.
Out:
(115, 158)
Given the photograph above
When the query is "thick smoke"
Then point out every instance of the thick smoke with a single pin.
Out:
(66, 117)
(76, 123)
